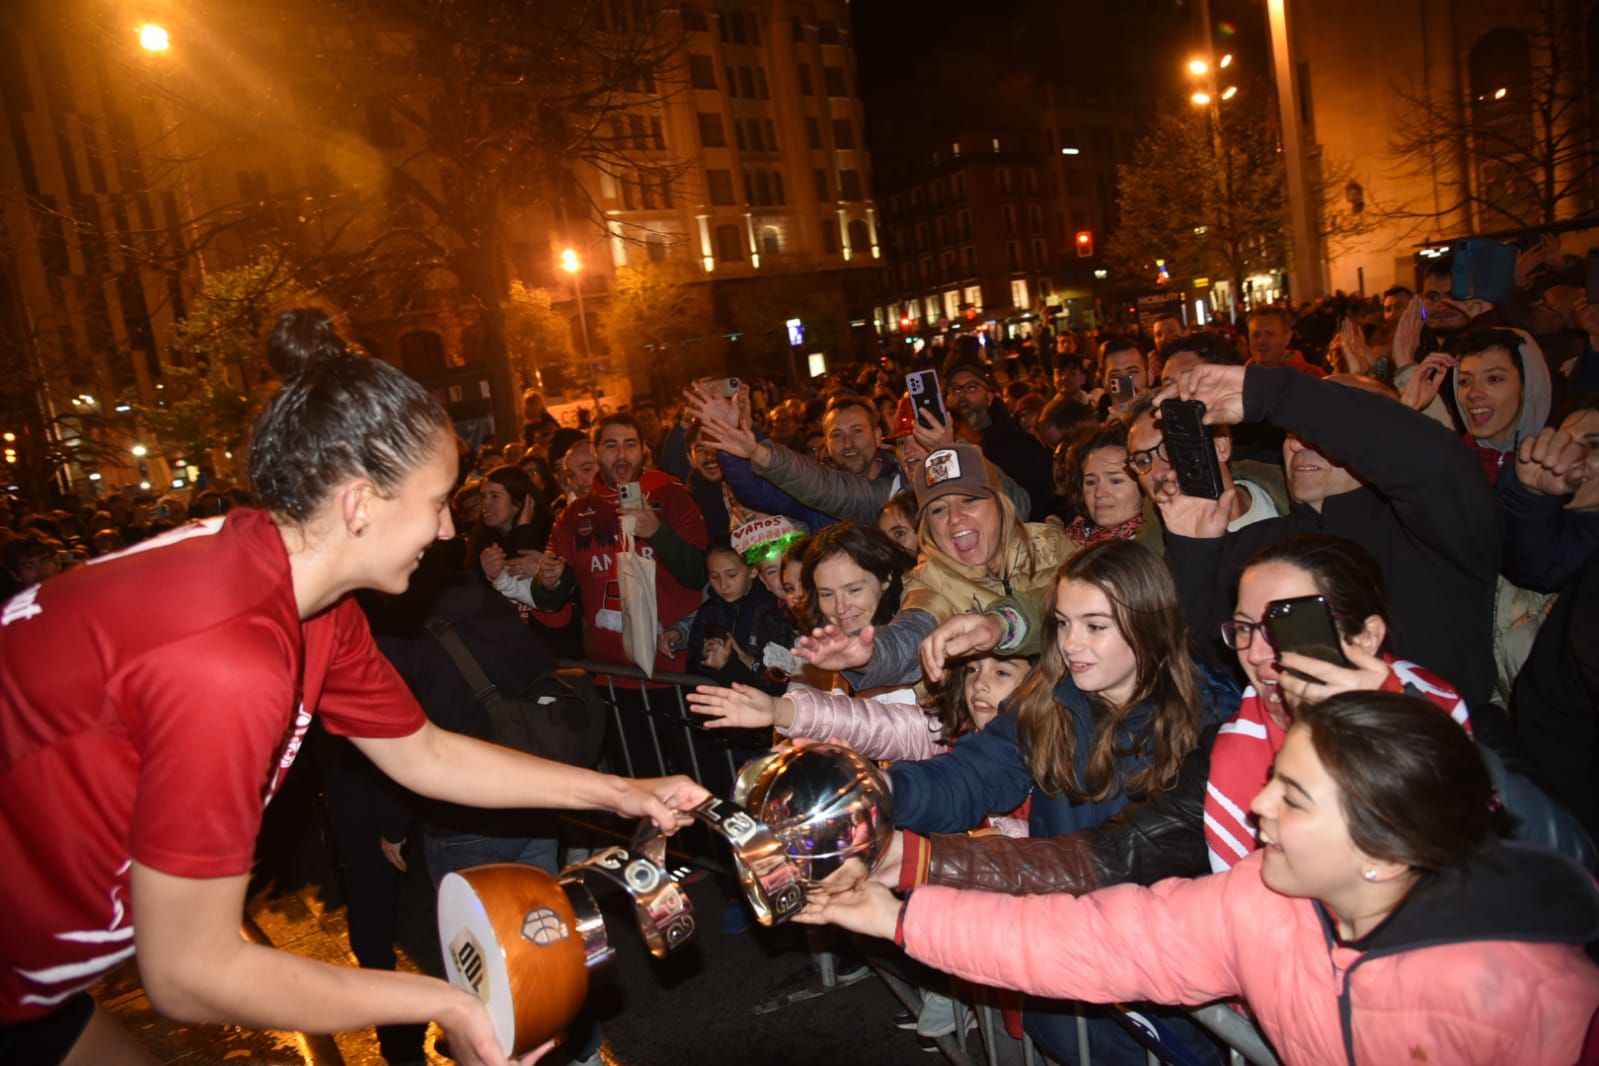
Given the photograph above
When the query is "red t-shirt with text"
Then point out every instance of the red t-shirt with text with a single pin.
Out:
(150, 704)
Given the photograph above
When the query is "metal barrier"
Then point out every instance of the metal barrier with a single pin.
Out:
(654, 734)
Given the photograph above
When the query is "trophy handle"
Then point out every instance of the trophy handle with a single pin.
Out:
(597, 950)
(665, 914)
(770, 882)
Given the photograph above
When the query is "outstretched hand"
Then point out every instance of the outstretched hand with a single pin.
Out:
(663, 800)
(959, 636)
(739, 707)
(868, 908)
(830, 648)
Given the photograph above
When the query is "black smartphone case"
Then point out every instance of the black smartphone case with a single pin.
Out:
(1190, 450)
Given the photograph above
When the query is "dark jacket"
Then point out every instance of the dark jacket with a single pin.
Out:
(1426, 513)
(510, 655)
(1022, 456)
(1161, 837)
(1545, 544)
(750, 622)
(1555, 698)
(713, 504)
(987, 773)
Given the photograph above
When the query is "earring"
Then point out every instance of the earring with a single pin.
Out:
(1370, 875)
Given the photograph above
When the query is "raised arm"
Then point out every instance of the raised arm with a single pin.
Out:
(983, 774)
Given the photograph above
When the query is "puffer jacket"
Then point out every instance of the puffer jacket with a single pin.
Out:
(1482, 966)
(987, 772)
(940, 588)
(890, 727)
(1196, 827)
(847, 497)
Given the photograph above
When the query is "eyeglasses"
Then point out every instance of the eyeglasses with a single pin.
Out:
(1142, 462)
(971, 388)
(1240, 635)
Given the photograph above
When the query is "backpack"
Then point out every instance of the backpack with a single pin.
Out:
(558, 716)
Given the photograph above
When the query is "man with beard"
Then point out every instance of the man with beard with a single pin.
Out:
(583, 545)
(972, 399)
(851, 444)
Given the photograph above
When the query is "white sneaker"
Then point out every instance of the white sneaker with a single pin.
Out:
(937, 1016)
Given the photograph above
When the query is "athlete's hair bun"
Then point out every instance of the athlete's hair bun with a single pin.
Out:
(301, 338)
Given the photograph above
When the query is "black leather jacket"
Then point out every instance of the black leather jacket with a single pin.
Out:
(1158, 838)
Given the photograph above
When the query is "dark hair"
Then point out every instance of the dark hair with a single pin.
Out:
(336, 416)
(1210, 347)
(905, 503)
(1143, 598)
(1112, 434)
(1441, 267)
(723, 544)
(1119, 342)
(1344, 572)
(845, 400)
(616, 418)
(1477, 341)
(1069, 361)
(1414, 789)
(1281, 314)
(947, 705)
(1397, 290)
(871, 549)
(1576, 403)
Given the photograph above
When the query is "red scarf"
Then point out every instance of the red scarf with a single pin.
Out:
(1083, 534)
(1240, 760)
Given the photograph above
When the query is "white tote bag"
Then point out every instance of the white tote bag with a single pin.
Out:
(635, 579)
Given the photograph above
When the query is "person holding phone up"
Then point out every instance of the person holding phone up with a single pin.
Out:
(1362, 466)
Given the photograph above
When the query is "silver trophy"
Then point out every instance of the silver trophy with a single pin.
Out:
(823, 802)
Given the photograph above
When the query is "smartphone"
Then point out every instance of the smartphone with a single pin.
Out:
(922, 387)
(1122, 388)
(1305, 624)
(1484, 270)
(729, 387)
(1190, 449)
(1593, 277)
(629, 494)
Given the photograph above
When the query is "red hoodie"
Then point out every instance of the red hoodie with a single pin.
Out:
(586, 536)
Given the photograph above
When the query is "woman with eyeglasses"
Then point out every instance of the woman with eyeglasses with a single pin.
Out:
(1201, 824)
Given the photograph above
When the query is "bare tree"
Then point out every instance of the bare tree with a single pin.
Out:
(1523, 125)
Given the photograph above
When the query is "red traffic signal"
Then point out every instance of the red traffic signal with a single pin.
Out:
(1085, 243)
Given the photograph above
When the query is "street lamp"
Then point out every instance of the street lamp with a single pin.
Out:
(154, 38)
(1206, 95)
(574, 266)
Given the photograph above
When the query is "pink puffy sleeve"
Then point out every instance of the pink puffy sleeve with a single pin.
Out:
(1170, 943)
(875, 729)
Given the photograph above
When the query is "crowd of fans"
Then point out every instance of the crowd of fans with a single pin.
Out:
(1066, 662)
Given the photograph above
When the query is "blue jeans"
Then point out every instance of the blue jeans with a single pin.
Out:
(448, 852)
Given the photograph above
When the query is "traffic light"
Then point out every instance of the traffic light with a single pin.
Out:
(1085, 243)
(906, 322)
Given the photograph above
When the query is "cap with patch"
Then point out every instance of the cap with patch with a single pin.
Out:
(949, 471)
(970, 364)
(762, 539)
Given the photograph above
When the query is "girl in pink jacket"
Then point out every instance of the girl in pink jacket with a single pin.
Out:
(1381, 922)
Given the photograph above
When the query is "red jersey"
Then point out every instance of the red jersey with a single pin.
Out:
(150, 704)
(587, 535)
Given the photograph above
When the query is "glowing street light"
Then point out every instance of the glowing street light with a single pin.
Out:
(1200, 99)
(139, 451)
(1198, 67)
(1226, 61)
(570, 262)
(154, 38)
(1229, 92)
